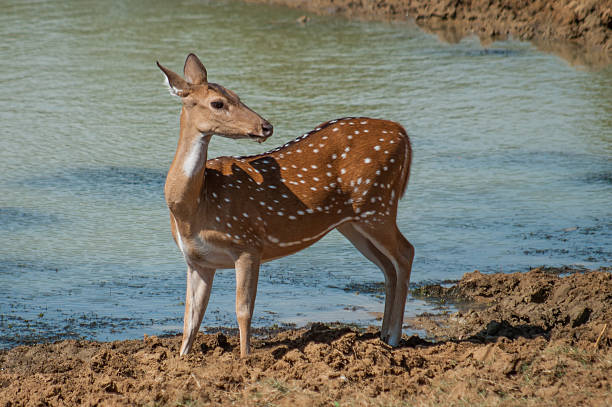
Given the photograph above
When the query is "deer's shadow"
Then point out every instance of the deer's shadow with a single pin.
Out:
(324, 334)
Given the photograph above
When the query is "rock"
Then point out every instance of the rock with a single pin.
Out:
(579, 315)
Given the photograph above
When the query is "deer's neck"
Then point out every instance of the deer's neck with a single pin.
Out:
(185, 180)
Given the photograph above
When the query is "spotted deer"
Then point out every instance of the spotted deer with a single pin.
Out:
(237, 212)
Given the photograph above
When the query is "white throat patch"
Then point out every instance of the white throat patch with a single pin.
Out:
(195, 157)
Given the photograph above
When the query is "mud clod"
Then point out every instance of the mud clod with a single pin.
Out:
(217, 342)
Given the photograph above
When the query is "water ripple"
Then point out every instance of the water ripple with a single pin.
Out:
(13, 219)
(111, 182)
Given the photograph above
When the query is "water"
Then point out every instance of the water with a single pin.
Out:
(512, 158)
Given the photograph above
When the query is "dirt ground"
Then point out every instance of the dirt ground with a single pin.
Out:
(534, 339)
(579, 31)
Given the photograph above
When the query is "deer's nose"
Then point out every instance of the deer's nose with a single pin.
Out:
(267, 129)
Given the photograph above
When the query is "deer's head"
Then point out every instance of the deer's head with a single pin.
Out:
(212, 109)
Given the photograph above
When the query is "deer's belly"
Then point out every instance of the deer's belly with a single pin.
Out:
(201, 253)
(289, 241)
(211, 256)
(275, 252)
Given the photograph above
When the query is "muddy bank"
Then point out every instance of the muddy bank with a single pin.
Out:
(579, 31)
(538, 338)
(537, 303)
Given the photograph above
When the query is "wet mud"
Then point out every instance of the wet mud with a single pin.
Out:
(536, 338)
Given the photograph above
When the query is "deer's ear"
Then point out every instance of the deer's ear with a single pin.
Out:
(194, 70)
(176, 85)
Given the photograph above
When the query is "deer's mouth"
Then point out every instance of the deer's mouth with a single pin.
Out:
(258, 138)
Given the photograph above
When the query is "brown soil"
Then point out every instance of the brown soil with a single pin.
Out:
(578, 30)
(532, 339)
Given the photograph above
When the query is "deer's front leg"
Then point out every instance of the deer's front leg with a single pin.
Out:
(247, 274)
(199, 284)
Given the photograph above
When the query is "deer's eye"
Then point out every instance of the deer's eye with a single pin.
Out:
(217, 104)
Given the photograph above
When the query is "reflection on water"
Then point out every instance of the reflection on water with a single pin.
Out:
(511, 158)
(575, 54)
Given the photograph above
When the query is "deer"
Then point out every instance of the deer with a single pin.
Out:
(228, 212)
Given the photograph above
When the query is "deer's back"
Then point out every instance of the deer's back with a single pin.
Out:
(351, 169)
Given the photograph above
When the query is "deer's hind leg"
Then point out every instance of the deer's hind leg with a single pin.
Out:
(247, 275)
(393, 245)
(199, 284)
(367, 248)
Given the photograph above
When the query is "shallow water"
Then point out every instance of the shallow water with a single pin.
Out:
(512, 158)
